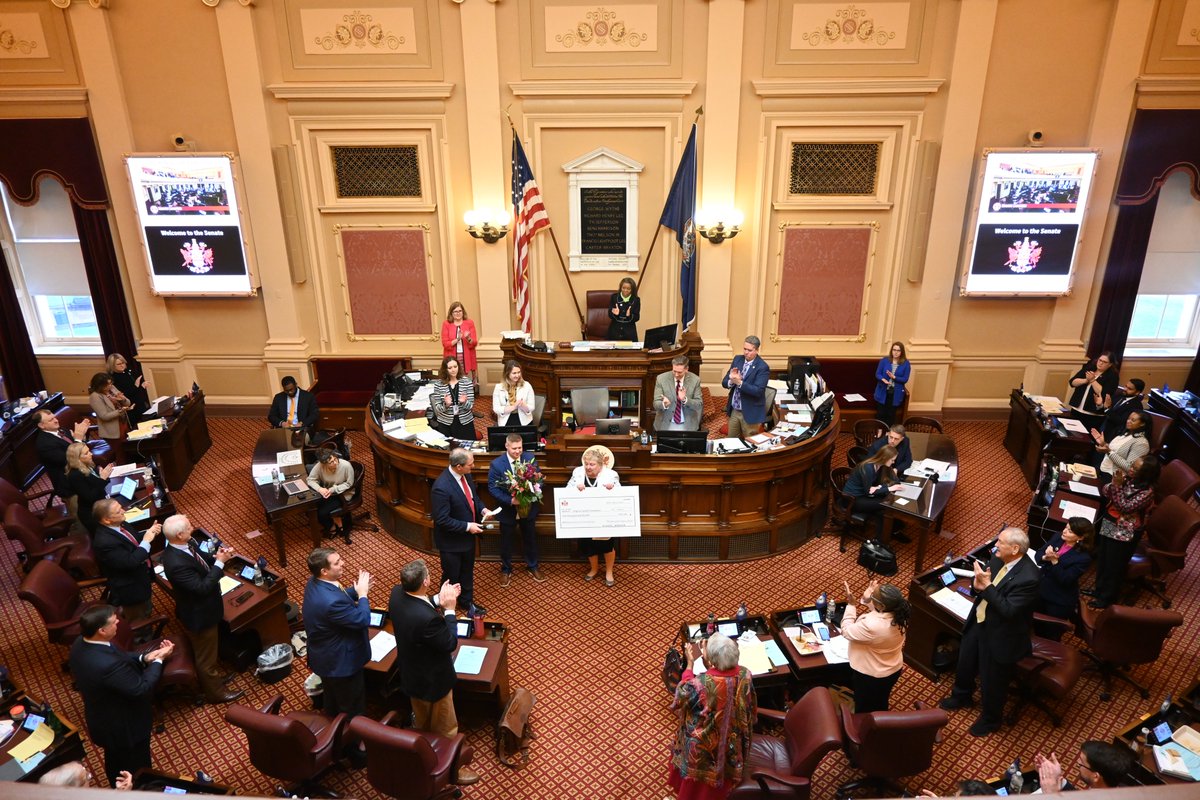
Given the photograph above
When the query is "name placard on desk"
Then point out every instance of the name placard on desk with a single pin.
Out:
(597, 512)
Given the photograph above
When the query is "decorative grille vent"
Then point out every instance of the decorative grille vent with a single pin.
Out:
(833, 168)
(377, 171)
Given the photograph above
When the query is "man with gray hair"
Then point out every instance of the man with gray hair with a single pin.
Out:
(747, 385)
(997, 631)
(457, 513)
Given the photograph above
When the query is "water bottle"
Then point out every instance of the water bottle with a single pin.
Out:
(259, 566)
(275, 478)
(710, 625)
(157, 497)
(948, 560)
(829, 609)
(822, 604)
(1016, 781)
(645, 437)
(742, 612)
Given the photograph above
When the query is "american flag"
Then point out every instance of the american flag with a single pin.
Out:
(529, 217)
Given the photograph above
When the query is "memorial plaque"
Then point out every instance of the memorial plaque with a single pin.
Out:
(602, 220)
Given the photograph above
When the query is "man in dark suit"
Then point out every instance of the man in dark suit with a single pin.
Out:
(498, 487)
(997, 633)
(337, 621)
(746, 381)
(457, 513)
(124, 558)
(52, 443)
(293, 407)
(425, 644)
(1131, 395)
(898, 439)
(677, 398)
(195, 577)
(117, 689)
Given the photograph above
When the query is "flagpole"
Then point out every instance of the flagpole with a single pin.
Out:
(696, 264)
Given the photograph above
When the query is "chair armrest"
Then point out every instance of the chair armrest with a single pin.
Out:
(331, 732)
(58, 528)
(390, 720)
(62, 626)
(771, 715)
(54, 547)
(791, 781)
(1057, 622)
(149, 628)
(1165, 554)
(273, 705)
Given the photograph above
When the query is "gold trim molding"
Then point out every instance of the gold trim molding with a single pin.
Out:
(215, 3)
(67, 3)
(361, 91)
(40, 94)
(846, 87)
(602, 88)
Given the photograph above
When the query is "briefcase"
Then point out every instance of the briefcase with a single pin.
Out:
(875, 556)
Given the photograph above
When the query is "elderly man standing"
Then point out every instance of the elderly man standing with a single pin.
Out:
(195, 578)
(997, 631)
(457, 513)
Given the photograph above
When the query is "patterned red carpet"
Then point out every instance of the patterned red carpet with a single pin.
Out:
(592, 654)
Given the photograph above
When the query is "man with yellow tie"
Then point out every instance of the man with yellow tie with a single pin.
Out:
(997, 632)
(293, 408)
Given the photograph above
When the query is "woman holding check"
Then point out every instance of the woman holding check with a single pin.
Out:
(595, 471)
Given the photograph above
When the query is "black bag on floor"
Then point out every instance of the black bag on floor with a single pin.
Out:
(875, 556)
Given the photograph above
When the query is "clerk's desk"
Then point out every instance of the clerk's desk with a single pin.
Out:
(180, 446)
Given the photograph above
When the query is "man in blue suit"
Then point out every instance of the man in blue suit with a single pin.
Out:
(498, 486)
(337, 622)
(747, 385)
(457, 514)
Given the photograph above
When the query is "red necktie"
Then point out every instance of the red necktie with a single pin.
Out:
(65, 436)
(136, 543)
(199, 558)
(470, 499)
(678, 406)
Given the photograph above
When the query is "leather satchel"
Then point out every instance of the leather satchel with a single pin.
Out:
(513, 731)
(672, 669)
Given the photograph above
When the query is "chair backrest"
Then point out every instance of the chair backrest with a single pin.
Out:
(10, 495)
(923, 425)
(356, 499)
(539, 408)
(1172, 524)
(589, 404)
(1177, 479)
(52, 591)
(868, 430)
(67, 417)
(596, 326)
(838, 477)
(769, 402)
(282, 747)
(400, 762)
(22, 526)
(897, 743)
(1160, 426)
(813, 730)
(855, 455)
(1131, 635)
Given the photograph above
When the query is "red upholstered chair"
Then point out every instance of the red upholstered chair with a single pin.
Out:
(179, 669)
(1051, 670)
(73, 552)
(888, 745)
(56, 520)
(101, 453)
(55, 595)
(1177, 479)
(1160, 426)
(1163, 550)
(596, 324)
(296, 747)
(1120, 636)
(410, 764)
(867, 431)
(783, 768)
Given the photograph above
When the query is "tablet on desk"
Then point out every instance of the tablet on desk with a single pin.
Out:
(247, 572)
(378, 617)
(128, 487)
(729, 629)
(462, 628)
(948, 577)
(810, 615)
(295, 487)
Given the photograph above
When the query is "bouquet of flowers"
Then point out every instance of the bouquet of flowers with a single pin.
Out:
(524, 484)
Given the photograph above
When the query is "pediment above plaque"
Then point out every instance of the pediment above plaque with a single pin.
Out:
(604, 211)
(603, 160)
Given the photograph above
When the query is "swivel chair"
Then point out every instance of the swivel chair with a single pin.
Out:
(409, 764)
(867, 431)
(888, 745)
(179, 668)
(1120, 636)
(1051, 669)
(1163, 550)
(73, 552)
(361, 521)
(56, 520)
(783, 767)
(296, 747)
(1177, 479)
(596, 326)
(855, 455)
(842, 508)
(55, 595)
(1160, 426)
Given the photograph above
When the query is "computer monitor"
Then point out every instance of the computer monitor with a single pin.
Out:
(683, 442)
(614, 427)
(497, 434)
(660, 337)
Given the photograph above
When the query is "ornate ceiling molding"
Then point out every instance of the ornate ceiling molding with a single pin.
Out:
(67, 3)
(361, 91)
(215, 3)
(846, 87)
(460, 2)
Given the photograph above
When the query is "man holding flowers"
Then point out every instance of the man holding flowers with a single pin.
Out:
(516, 482)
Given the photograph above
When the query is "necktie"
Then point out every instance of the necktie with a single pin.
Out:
(136, 542)
(981, 611)
(65, 436)
(198, 557)
(292, 410)
(678, 417)
(467, 492)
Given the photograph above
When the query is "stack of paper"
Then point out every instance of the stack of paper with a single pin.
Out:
(1177, 761)
(124, 469)
(952, 601)
(837, 650)
(469, 660)
(753, 656)
(1070, 509)
(382, 643)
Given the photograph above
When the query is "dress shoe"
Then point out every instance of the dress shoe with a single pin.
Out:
(477, 610)
(203, 777)
(589, 576)
(537, 575)
(227, 698)
(981, 728)
(610, 582)
(952, 703)
(229, 678)
(466, 777)
(505, 579)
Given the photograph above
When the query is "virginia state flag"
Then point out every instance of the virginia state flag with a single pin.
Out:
(679, 215)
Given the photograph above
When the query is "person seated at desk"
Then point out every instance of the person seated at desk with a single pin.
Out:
(898, 439)
(128, 378)
(1130, 394)
(1066, 557)
(624, 311)
(1122, 451)
(86, 482)
(876, 643)
(870, 483)
(51, 444)
(333, 479)
(1099, 765)
(677, 396)
(512, 399)
(1093, 385)
(595, 471)
(453, 402)
(294, 407)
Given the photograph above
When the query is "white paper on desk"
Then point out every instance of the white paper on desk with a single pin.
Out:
(950, 473)
(469, 659)
(799, 417)
(228, 584)
(797, 407)
(906, 490)
(753, 656)
(125, 469)
(1073, 425)
(1070, 509)
(784, 397)
(791, 631)
(837, 650)
(382, 643)
(902, 501)
(1083, 488)
(854, 398)
(938, 466)
(289, 458)
(432, 437)
(952, 601)
(393, 425)
(698, 666)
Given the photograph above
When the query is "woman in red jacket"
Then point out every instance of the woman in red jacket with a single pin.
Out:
(459, 339)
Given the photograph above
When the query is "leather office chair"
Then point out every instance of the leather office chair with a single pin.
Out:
(855, 455)
(1163, 550)
(1121, 636)
(179, 669)
(888, 745)
(596, 326)
(56, 520)
(1177, 479)
(769, 402)
(323, 439)
(842, 508)
(867, 431)
(102, 454)
(55, 595)
(1052, 669)
(923, 425)
(73, 552)
(589, 404)
(295, 747)
(410, 764)
(539, 410)
(783, 767)
(1160, 426)
(361, 521)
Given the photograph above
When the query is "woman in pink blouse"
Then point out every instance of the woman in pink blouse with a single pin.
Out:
(459, 340)
(876, 643)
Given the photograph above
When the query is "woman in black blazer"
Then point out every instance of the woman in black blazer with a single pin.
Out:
(624, 311)
(86, 482)
(870, 483)
(1066, 557)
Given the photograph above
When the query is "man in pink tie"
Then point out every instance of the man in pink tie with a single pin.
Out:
(458, 517)
(124, 558)
(677, 395)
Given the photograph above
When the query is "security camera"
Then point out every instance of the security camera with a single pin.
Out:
(1035, 137)
(182, 143)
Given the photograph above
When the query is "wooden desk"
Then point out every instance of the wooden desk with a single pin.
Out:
(930, 625)
(277, 504)
(777, 678)
(19, 464)
(492, 679)
(180, 446)
(143, 497)
(1183, 711)
(67, 745)
(1183, 440)
(927, 510)
(1027, 438)
(811, 670)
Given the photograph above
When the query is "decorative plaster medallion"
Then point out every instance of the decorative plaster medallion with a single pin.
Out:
(849, 26)
(601, 28)
(359, 30)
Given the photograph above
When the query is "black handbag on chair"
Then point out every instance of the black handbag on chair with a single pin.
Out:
(876, 557)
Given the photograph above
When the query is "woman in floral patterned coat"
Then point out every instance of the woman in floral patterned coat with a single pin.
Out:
(718, 708)
(1130, 498)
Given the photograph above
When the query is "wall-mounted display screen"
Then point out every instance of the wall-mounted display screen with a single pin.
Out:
(1028, 219)
(191, 224)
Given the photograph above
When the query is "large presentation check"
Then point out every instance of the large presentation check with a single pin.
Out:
(597, 512)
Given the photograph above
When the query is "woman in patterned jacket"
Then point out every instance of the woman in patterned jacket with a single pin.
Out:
(1130, 498)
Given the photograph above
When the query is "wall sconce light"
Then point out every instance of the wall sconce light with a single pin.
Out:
(488, 224)
(719, 224)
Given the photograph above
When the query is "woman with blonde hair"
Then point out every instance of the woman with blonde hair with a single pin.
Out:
(596, 472)
(512, 399)
(87, 483)
(459, 340)
(333, 479)
(128, 378)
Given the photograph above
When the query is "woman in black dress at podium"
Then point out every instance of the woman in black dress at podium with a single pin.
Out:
(453, 402)
(624, 311)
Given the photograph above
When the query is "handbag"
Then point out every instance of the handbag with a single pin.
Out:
(513, 731)
(672, 668)
(875, 556)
